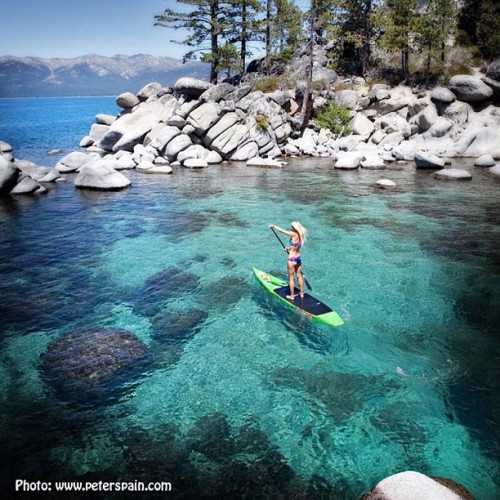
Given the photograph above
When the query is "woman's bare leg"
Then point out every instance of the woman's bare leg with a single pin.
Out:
(291, 270)
(298, 270)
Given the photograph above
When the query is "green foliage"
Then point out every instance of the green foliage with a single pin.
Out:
(261, 122)
(268, 84)
(480, 20)
(334, 117)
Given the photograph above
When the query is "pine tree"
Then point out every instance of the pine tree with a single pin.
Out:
(400, 23)
(206, 22)
(480, 20)
(244, 25)
(356, 29)
(437, 23)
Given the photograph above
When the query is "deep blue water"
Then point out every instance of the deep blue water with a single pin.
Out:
(233, 396)
(38, 125)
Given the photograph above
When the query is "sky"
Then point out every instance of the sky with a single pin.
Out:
(72, 28)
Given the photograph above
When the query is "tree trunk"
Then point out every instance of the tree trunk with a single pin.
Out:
(214, 41)
(365, 58)
(243, 51)
(268, 37)
(305, 112)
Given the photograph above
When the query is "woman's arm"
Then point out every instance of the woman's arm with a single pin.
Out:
(281, 230)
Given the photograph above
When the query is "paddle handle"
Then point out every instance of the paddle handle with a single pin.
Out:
(284, 248)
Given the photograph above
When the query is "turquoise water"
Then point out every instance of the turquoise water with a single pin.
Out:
(241, 398)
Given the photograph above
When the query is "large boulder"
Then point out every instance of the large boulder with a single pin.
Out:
(74, 161)
(149, 90)
(493, 70)
(176, 145)
(9, 175)
(479, 141)
(428, 160)
(127, 100)
(85, 360)
(127, 131)
(101, 175)
(452, 174)
(216, 93)
(164, 137)
(204, 117)
(361, 125)
(229, 140)
(27, 185)
(468, 88)
(411, 485)
(347, 98)
(227, 121)
(191, 87)
(443, 95)
(349, 160)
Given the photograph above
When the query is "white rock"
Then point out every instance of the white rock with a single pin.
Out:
(73, 161)
(361, 125)
(164, 137)
(428, 160)
(229, 140)
(495, 170)
(27, 185)
(204, 117)
(176, 145)
(127, 100)
(103, 119)
(191, 86)
(348, 160)
(372, 161)
(440, 127)
(86, 142)
(158, 169)
(145, 165)
(227, 121)
(249, 150)
(452, 174)
(386, 184)
(264, 162)
(469, 88)
(485, 161)
(195, 163)
(101, 175)
(213, 158)
(197, 151)
(411, 485)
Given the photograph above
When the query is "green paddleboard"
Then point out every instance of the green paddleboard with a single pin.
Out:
(307, 305)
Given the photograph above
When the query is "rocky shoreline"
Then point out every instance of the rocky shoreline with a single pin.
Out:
(195, 124)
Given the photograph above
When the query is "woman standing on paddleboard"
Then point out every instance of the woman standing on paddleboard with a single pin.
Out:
(297, 234)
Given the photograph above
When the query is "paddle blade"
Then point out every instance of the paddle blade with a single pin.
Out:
(307, 283)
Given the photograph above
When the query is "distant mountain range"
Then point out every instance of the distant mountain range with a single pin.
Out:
(90, 75)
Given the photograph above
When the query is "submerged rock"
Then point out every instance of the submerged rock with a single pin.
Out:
(88, 358)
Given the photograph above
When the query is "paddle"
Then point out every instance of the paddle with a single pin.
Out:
(284, 248)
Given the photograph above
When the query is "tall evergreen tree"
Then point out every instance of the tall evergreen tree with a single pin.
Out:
(437, 23)
(244, 25)
(400, 23)
(206, 23)
(356, 29)
(480, 19)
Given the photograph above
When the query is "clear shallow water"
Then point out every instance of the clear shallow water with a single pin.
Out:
(243, 397)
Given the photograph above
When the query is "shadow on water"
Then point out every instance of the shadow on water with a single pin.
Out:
(322, 339)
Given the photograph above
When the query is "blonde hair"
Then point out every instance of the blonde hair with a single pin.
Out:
(300, 229)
